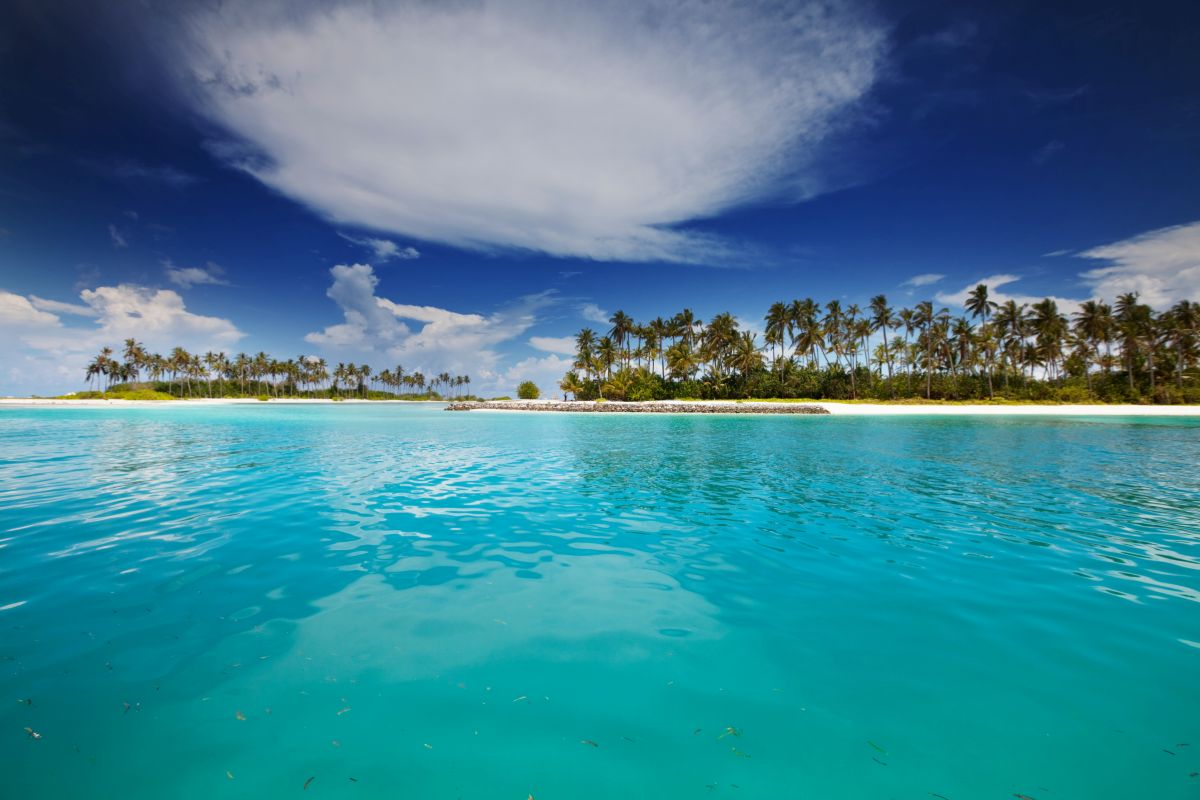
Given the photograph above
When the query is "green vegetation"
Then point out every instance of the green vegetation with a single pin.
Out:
(1008, 352)
(528, 390)
(183, 374)
(120, 392)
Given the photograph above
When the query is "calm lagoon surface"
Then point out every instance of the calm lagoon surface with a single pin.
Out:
(392, 601)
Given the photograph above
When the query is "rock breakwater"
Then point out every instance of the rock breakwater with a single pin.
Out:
(649, 407)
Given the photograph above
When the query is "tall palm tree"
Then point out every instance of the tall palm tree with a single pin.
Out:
(1183, 321)
(883, 319)
(981, 307)
(622, 329)
(1092, 323)
(778, 320)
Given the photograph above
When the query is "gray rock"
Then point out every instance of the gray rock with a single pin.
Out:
(620, 407)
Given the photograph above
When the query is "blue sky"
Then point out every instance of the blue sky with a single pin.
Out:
(459, 187)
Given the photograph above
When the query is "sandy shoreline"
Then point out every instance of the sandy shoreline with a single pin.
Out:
(675, 406)
(200, 401)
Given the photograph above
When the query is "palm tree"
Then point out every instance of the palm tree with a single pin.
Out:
(778, 321)
(883, 319)
(1011, 321)
(570, 384)
(1131, 317)
(682, 362)
(135, 358)
(622, 329)
(1092, 324)
(923, 319)
(1183, 327)
(746, 356)
(980, 306)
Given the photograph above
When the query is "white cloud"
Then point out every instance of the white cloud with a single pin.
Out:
(118, 238)
(577, 129)
(562, 345)
(187, 277)
(58, 307)
(1162, 266)
(546, 372)
(16, 309)
(384, 249)
(44, 355)
(594, 313)
(925, 279)
(1066, 305)
(375, 327)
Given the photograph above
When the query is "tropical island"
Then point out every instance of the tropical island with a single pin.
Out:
(1014, 352)
(1005, 353)
(183, 375)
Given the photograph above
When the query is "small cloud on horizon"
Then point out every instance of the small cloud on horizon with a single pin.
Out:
(383, 249)
(187, 277)
(924, 279)
(117, 237)
(562, 345)
(593, 313)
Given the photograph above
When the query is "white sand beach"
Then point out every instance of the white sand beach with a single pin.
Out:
(833, 407)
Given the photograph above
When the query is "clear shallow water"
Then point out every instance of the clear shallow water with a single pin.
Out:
(454, 605)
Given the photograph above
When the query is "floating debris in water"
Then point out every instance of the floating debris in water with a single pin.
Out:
(229, 774)
(877, 761)
(336, 743)
(1168, 752)
(1024, 797)
(26, 701)
(739, 753)
(729, 731)
(32, 734)
(588, 742)
(240, 717)
(428, 746)
(939, 796)
(343, 711)
(519, 699)
(626, 738)
(354, 780)
(310, 780)
(877, 747)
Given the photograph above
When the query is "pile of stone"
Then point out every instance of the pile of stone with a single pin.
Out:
(652, 407)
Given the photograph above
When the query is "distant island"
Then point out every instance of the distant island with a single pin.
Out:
(184, 375)
(1001, 353)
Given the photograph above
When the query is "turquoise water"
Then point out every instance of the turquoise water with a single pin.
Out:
(404, 602)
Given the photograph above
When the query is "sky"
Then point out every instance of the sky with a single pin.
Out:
(461, 186)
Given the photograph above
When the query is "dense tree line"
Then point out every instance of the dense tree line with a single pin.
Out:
(1124, 352)
(185, 374)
